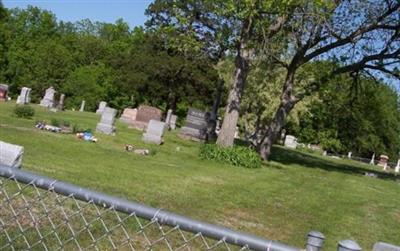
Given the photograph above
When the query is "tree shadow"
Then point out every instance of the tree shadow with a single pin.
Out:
(289, 156)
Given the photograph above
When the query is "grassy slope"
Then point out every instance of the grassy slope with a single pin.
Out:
(289, 196)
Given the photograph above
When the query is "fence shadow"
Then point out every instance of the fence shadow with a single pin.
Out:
(289, 156)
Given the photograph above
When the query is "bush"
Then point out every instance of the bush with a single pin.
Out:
(237, 155)
(55, 122)
(24, 111)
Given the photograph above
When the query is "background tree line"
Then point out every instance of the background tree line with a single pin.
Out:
(279, 69)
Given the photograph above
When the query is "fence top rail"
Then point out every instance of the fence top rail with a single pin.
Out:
(129, 207)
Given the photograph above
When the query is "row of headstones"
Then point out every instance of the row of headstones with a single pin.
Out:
(197, 125)
(47, 101)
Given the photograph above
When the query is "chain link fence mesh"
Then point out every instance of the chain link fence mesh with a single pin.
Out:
(32, 218)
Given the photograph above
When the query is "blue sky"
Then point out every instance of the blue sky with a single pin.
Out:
(132, 11)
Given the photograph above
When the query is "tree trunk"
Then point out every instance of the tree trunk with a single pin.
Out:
(227, 134)
(288, 101)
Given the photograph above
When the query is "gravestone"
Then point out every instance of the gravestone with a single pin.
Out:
(48, 99)
(144, 115)
(82, 106)
(168, 118)
(349, 155)
(196, 125)
(172, 122)
(60, 105)
(290, 141)
(107, 121)
(382, 246)
(397, 168)
(24, 96)
(128, 116)
(3, 92)
(372, 162)
(102, 105)
(11, 155)
(154, 132)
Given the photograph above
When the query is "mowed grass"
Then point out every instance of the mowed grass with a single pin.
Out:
(289, 196)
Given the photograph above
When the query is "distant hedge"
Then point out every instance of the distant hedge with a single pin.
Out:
(236, 155)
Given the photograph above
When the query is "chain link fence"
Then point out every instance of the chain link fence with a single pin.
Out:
(39, 213)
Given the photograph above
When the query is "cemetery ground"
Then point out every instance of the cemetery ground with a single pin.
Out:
(294, 193)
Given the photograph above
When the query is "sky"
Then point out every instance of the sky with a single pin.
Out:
(132, 11)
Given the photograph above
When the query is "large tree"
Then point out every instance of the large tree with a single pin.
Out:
(224, 27)
(361, 36)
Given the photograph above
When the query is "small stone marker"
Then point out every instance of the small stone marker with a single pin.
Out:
(82, 106)
(3, 92)
(154, 133)
(196, 125)
(237, 133)
(107, 121)
(24, 96)
(11, 155)
(349, 155)
(128, 116)
(397, 168)
(172, 122)
(315, 241)
(168, 118)
(102, 105)
(48, 99)
(348, 245)
(60, 105)
(290, 141)
(381, 246)
(144, 115)
(372, 162)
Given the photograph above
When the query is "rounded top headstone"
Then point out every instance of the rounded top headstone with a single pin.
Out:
(348, 245)
(316, 234)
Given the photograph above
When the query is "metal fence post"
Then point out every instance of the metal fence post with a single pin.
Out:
(348, 245)
(315, 241)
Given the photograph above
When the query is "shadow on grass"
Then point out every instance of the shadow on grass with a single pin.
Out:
(288, 157)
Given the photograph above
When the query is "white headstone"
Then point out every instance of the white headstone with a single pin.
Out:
(290, 141)
(154, 133)
(48, 99)
(82, 106)
(169, 113)
(372, 162)
(60, 105)
(24, 96)
(102, 105)
(349, 155)
(11, 155)
(106, 124)
(237, 133)
(397, 168)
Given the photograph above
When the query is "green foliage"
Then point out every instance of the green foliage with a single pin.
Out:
(24, 111)
(236, 155)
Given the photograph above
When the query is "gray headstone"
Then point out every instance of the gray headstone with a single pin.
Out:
(24, 96)
(348, 245)
(48, 99)
(381, 246)
(196, 125)
(60, 105)
(154, 132)
(172, 122)
(107, 121)
(11, 155)
(290, 141)
(168, 118)
(102, 105)
(82, 106)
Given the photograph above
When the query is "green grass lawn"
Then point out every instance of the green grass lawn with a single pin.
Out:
(289, 196)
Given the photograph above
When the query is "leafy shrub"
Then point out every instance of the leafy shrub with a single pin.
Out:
(55, 122)
(77, 128)
(24, 111)
(237, 155)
